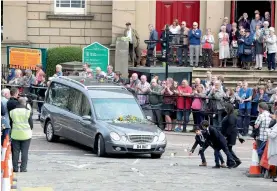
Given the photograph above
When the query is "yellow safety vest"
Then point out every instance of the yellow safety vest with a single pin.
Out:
(21, 129)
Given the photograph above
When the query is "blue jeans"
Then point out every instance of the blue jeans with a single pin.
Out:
(218, 157)
(244, 121)
(181, 50)
(186, 115)
(5, 132)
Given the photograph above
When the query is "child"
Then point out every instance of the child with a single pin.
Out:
(200, 139)
(218, 142)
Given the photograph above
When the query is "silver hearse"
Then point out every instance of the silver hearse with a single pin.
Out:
(101, 115)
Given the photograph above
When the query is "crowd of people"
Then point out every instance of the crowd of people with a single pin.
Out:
(217, 111)
(245, 42)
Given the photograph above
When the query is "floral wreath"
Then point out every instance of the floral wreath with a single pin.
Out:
(129, 119)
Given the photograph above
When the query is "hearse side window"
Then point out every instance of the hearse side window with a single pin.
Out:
(58, 95)
(86, 109)
(75, 101)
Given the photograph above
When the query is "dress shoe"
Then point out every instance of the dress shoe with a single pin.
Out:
(23, 170)
(274, 180)
(232, 165)
(203, 164)
(216, 166)
(237, 164)
(15, 170)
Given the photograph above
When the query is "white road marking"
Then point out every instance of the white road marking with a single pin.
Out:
(136, 161)
(89, 154)
(78, 166)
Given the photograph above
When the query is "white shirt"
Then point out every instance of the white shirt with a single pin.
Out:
(175, 30)
(129, 35)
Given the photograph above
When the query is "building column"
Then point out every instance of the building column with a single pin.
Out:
(122, 12)
(15, 22)
(214, 19)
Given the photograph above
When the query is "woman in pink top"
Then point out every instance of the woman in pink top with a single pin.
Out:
(224, 51)
(40, 73)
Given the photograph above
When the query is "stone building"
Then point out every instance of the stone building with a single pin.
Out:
(56, 23)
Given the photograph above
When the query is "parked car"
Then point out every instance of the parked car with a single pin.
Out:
(104, 116)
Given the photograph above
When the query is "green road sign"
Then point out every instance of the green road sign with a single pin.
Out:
(96, 55)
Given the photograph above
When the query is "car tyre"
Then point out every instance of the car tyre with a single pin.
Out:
(156, 156)
(100, 146)
(49, 132)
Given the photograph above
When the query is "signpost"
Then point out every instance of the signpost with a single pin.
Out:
(96, 55)
(26, 57)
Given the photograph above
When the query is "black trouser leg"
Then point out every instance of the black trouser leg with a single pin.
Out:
(24, 153)
(230, 159)
(233, 154)
(15, 153)
(202, 155)
(150, 57)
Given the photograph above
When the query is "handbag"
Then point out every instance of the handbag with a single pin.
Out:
(247, 51)
(235, 44)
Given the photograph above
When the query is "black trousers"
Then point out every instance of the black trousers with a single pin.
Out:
(230, 159)
(236, 159)
(157, 116)
(17, 147)
(150, 57)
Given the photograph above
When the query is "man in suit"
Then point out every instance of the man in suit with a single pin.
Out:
(218, 142)
(134, 40)
(151, 46)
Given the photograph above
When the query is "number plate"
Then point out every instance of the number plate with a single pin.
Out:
(142, 147)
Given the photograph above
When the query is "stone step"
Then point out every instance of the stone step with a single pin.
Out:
(236, 71)
(230, 77)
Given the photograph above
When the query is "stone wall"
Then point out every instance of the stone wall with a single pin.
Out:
(43, 32)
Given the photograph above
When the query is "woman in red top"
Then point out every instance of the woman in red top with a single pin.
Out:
(183, 104)
(168, 102)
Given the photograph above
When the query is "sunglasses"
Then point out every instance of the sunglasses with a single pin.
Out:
(194, 25)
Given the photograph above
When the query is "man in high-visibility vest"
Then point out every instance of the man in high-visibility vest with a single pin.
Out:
(21, 134)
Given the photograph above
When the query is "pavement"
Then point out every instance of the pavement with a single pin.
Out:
(68, 166)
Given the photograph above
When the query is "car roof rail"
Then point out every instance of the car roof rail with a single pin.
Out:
(71, 80)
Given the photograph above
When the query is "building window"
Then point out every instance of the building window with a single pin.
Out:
(70, 6)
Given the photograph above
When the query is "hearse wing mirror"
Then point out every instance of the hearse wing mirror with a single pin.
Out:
(86, 118)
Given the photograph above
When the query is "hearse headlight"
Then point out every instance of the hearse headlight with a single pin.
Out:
(115, 136)
(161, 137)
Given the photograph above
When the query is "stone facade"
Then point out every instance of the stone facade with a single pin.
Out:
(43, 32)
(35, 22)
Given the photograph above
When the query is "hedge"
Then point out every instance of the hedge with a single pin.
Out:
(60, 55)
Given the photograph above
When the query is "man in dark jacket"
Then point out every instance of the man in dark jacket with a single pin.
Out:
(218, 142)
(151, 46)
(200, 139)
(156, 100)
(13, 101)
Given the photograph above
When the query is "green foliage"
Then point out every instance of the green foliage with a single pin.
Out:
(60, 55)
